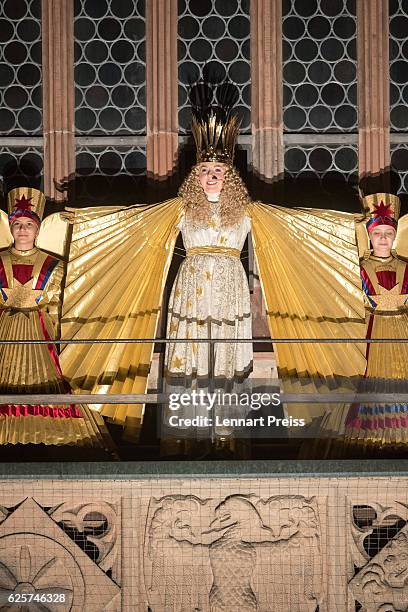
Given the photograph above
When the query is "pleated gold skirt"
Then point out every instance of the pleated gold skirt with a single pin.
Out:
(35, 369)
(387, 365)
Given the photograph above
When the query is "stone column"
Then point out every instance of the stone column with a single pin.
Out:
(161, 88)
(266, 93)
(58, 97)
(267, 122)
(373, 93)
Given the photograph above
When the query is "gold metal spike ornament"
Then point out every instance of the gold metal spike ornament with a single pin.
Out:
(215, 137)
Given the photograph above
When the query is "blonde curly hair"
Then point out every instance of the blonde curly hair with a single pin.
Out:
(234, 199)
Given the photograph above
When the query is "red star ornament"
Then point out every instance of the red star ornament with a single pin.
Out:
(382, 211)
(23, 203)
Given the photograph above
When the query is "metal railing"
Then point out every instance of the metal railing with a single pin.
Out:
(154, 398)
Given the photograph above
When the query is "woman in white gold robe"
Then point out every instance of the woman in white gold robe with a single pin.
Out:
(210, 297)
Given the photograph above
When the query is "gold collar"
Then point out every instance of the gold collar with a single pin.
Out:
(384, 260)
(18, 253)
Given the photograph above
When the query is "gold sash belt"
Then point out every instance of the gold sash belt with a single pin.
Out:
(213, 250)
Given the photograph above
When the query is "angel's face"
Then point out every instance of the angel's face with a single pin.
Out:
(24, 231)
(382, 238)
(211, 176)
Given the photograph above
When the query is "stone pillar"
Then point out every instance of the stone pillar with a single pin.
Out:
(266, 93)
(161, 88)
(58, 96)
(373, 93)
(267, 122)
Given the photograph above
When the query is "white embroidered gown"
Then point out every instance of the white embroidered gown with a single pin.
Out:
(210, 299)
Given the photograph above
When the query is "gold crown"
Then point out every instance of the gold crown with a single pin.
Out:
(215, 137)
(378, 201)
(26, 198)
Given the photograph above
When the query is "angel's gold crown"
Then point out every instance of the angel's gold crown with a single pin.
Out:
(215, 137)
(25, 202)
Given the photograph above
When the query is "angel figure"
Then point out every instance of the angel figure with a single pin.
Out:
(119, 258)
(210, 296)
(30, 298)
(384, 278)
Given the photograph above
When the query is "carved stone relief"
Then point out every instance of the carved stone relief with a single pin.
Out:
(239, 553)
(99, 522)
(38, 558)
(381, 582)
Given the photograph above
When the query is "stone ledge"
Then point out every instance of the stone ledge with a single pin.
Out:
(128, 470)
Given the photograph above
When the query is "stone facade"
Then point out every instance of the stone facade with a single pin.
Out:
(208, 543)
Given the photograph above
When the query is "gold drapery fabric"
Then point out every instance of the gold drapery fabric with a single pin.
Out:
(385, 360)
(118, 263)
(400, 245)
(53, 235)
(88, 431)
(310, 277)
(6, 239)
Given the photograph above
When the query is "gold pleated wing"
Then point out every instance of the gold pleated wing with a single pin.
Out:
(54, 235)
(6, 239)
(401, 241)
(118, 263)
(310, 275)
